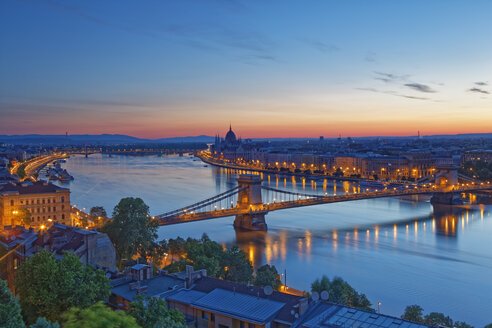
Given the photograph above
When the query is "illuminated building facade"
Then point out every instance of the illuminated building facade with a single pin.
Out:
(46, 203)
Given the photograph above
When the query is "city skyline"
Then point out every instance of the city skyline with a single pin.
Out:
(188, 68)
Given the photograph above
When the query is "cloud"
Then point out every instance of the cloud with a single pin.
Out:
(478, 90)
(420, 87)
(393, 93)
(321, 46)
(481, 83)
(389, 77)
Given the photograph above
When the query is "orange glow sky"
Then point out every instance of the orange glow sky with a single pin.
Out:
(166, 69)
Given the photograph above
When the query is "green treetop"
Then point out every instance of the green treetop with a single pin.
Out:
(48, 287)
(132, 230)
(97, 316)
(341, 292)
(10, 311)
(152, 312)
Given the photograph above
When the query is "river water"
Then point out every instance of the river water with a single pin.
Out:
(396, 251)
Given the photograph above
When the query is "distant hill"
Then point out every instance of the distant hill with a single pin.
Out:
(118, 139)
(100, 139)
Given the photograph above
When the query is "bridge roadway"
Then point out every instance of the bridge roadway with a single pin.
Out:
(313, 200)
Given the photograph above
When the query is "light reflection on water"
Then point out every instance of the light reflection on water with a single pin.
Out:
(396, 251)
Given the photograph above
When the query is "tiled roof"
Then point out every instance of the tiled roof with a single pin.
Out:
(12, 236)
(242, 306)
(155, 287)
(207, 284)
(38, 187)
(186, 296)
(329, 315)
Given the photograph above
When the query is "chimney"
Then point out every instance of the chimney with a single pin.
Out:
(303, 305)
(189, 276)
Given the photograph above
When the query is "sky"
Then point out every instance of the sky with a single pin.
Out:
(271, 68)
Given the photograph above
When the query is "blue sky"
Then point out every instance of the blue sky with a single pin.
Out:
(272, 68)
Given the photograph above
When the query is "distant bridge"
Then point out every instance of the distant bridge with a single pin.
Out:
(249, 205)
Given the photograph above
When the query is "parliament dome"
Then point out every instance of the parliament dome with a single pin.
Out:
(230, 136)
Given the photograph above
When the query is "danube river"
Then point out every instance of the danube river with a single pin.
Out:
(396, 251)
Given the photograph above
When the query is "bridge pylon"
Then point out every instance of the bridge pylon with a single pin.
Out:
(249, 198)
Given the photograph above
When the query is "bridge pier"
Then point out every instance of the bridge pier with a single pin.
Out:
(446, 202)
(249, 198)
(252, 222)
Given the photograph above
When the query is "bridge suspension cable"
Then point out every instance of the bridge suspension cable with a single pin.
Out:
(291, 193)
(204, 203)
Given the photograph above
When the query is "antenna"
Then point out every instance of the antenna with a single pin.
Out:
(315, 296)
(324, 295)
(268, 290)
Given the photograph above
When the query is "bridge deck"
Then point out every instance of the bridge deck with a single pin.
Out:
(265, 208)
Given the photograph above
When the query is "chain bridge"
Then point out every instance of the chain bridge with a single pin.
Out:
(250, 201)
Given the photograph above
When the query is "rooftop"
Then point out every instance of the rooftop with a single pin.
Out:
(243, 306)
(38, 187)
(156, 286)
(290, 302)
(12, 236)
(329, 315)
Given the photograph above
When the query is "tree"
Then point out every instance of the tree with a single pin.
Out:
(438, 319)
(176, 248)
(231, 264)
(341, 292)
(24, 216)
(48, 287)
(98, 211)
(413, 313)
(267, 275)
(235, 266)
(152, 312)
(488, 326)
(97, 316)
(43, 323)
(132, 230)
(21, 171)
(461, 324)
(10, 311)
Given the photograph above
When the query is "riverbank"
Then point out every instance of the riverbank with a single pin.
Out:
(211, 161)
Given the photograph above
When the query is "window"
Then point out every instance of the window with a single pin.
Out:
(15, 263)
(49, 200)
(63, 216)
(63, 199)
(37, 201)
(223, 326)
(11, 202)
(63, 207)
(241, 324)
(250, 325)
(54, 208)
(44, 200)
(204, 315)
(212, 317)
